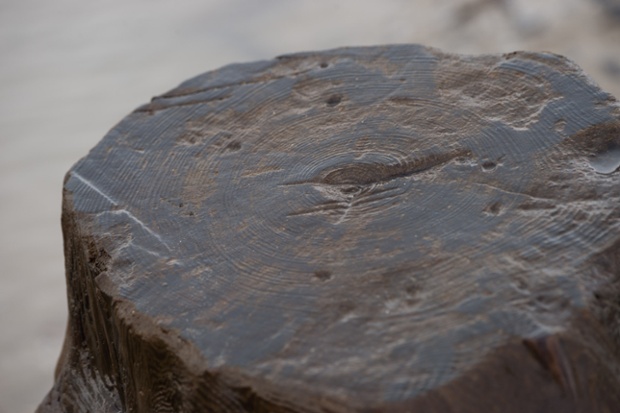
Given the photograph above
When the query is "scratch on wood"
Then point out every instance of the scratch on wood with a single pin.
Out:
(121, 211)
(143, 225)
(94, 188)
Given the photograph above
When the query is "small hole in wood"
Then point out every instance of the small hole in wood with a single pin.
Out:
(488, 165)
(323, 275)
(412, 290)
(233, 146)
(334, 100)
(323, 65)
(494, 208)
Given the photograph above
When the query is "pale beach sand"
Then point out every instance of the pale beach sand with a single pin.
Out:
(71, 69)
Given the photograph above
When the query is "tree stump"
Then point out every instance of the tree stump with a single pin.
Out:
(380, 229)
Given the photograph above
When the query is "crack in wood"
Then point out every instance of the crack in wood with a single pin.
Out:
(374, 173)
(356, 184)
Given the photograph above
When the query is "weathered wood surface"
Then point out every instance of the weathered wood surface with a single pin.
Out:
(385, 229)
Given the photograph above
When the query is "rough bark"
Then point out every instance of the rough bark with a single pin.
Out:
(378, 229)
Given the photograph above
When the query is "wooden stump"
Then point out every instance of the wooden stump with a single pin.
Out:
(381, 229)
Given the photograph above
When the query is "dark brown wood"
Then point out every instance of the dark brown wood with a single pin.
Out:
(381, 229)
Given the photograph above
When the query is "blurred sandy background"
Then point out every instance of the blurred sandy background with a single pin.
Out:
(70, 70)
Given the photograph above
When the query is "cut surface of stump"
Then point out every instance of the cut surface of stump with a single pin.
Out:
(379, 229)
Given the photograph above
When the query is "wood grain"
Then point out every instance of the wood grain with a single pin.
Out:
(375, 229)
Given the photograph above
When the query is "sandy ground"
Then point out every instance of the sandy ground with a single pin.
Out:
(71, 69)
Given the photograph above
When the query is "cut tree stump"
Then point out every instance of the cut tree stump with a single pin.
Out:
(380, 229)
